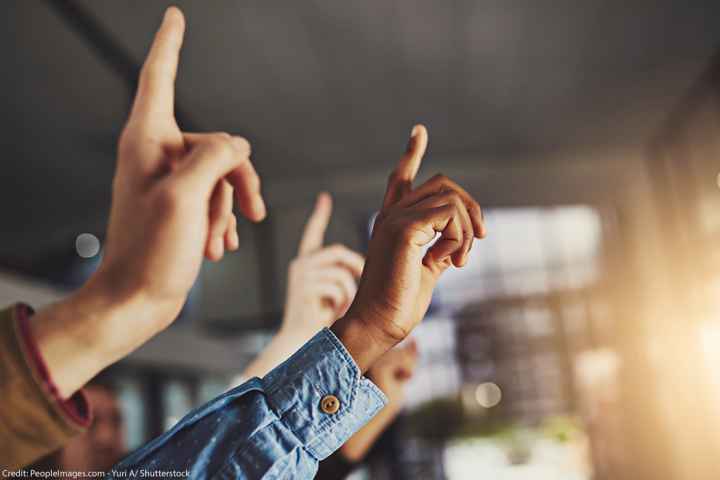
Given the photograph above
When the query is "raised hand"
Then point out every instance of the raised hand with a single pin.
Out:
(321, 279)
(393, 370)
(173, 191)
(321, 285)
(401, 272)
(171, 205)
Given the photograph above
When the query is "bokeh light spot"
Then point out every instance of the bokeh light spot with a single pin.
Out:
(87, 245)
(488, 394)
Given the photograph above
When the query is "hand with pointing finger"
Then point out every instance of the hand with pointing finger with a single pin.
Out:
(399, 276)
(321, 286)
(172, 205)
(321, 279)
(173, 191)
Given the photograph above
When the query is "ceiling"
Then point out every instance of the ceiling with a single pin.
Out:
(329, 89)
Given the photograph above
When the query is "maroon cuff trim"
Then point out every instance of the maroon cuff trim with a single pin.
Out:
(76, 407)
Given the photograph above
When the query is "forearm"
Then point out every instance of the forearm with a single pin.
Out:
(88, 331)
(34, 420)
(277, 424)
(286, 342)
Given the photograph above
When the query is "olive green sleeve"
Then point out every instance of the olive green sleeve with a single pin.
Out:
(34, 419)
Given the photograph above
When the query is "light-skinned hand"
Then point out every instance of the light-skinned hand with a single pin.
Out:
(172, 205)
(393, 370)
(390, 373)
(321, 279)
(321, 285)
(173, 191)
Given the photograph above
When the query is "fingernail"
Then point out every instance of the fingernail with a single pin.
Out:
(260, 209)
(322, 197)
(411, 140)
(242, 145)
(234, 240)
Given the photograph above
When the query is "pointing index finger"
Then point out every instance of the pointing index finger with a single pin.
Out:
(314, 233)
(155, 96)
(404, 174)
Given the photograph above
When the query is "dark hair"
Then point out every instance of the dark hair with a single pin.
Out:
(47, 463)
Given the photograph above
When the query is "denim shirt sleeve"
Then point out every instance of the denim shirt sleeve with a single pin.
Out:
(270, 428)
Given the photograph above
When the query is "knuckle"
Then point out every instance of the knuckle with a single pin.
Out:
(337, 248)
(130, 140)
(242, 144)
(440, 179)
(397, 179)
(454, 197)
(405, 230)
(219, 144)
(224, 148)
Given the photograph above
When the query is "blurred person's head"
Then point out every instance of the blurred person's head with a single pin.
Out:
(103, 444)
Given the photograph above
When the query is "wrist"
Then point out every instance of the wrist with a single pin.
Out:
(89, 330)
(98, 309)
(70, 340)
(124, 320)
(294, 329)
(362, 340)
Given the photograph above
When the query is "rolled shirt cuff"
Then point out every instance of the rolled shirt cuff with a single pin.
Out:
(321, 395)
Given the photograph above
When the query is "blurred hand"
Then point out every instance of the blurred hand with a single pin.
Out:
(399, 276)
(171, 205)
(173, 191)
(321, 280)
(392, 371)
(321, 285)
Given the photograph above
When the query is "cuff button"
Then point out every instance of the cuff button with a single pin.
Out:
(330, 404)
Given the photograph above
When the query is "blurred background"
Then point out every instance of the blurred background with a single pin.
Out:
(583, 339)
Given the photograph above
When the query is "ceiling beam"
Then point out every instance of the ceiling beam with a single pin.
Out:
(110, 50)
